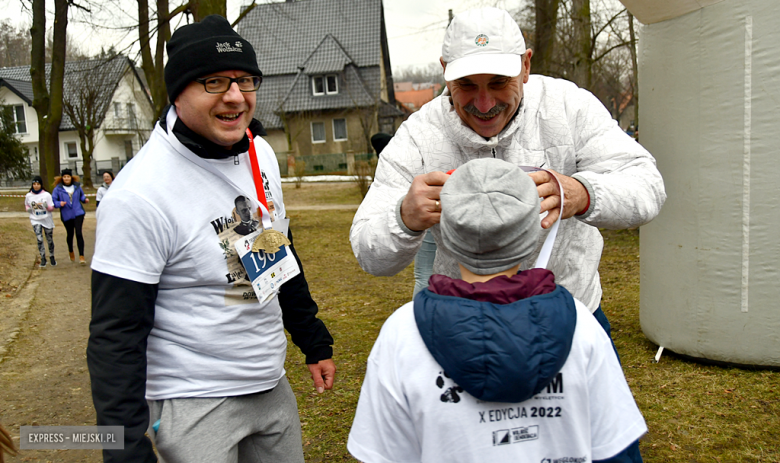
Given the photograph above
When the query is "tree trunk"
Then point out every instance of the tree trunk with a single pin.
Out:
(544, 35)
(87, 141)
(635, 69)
(202, 8)
(152, 66)
(48, 102)
(583, 47)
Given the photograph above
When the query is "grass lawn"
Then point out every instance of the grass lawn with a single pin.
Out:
(695, 412)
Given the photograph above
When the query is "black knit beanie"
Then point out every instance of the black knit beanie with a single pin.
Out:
(37, 179)
(203, 48)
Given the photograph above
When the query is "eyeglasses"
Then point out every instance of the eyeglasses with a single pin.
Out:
(221, 84)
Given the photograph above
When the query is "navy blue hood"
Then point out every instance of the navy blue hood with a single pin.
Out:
(498, 352)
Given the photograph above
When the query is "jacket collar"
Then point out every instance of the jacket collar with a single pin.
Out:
(499, 290)
(205, 148)
(498, 352)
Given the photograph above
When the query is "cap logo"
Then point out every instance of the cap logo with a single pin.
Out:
(226, 47)
(481, 40)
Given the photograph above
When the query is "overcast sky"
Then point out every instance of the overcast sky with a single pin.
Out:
(415, 28)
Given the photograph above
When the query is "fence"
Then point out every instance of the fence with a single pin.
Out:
(321, 164)
(316, 164)
(77, 166)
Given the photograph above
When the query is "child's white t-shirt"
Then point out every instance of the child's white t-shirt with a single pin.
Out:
(410, 411)
(38, 207)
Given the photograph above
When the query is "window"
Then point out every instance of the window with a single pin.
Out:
(20, 122)
(318, 85)
(318, 132)
(321, 85)
(333, 84)
(128, 149)
(339, 129)
(386, 125)
(118, 110)
(131, 114)
(72, 150)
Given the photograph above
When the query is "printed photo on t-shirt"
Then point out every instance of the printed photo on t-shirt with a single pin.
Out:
(39, 208)
(242, 220)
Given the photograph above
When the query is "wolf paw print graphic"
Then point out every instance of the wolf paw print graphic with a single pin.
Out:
(451, 390)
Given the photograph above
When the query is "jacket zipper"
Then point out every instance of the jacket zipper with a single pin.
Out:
(494, 152)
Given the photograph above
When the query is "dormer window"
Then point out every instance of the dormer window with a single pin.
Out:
(325, 85)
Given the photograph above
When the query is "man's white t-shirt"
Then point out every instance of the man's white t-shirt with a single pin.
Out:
(410, 411)
(171, 222)
(38, 205)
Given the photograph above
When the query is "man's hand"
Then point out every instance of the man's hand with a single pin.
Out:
(576, 197)
(421, 208)
(63, 203)
(86, 200)
(323, 373)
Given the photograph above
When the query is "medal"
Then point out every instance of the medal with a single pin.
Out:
(270, 241)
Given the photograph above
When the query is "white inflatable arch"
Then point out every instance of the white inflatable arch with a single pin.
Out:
(709, 93)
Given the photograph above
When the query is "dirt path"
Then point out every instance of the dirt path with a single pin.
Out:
(43, 375)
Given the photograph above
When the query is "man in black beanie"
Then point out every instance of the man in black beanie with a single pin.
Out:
(180, 345)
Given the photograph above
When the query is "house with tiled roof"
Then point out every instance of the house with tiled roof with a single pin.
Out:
(327, 85)
(411, 97)
(123, 109)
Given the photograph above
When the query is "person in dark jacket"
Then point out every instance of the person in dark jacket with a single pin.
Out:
(181, 347)
(68, 196)
(497, 365)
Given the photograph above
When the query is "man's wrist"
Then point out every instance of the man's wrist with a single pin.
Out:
(319, 354)
(590, 203)
(400, 219)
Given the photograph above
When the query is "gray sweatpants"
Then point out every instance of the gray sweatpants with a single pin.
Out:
(254, 428)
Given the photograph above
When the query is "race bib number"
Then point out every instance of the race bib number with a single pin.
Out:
(267, 271)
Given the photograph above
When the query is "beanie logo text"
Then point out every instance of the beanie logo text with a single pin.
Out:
(226, 47)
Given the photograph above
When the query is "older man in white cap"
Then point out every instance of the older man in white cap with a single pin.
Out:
(493, 108)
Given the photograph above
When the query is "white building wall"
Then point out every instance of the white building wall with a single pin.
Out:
(110, 151)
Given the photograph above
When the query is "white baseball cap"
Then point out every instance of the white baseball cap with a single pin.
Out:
(483, 41)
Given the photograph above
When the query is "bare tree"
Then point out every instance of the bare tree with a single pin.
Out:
(87, 102)
(634, 68)
(583, 47)
(47, 100)
(433, 73)
(15, 45)
(152, 60)
(202, 8)
(546, 20)
(152, 63)
(72, 51)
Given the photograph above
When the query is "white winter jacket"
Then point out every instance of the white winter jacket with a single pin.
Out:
(559, 127)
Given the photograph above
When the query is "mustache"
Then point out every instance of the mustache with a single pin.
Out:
(494, 111)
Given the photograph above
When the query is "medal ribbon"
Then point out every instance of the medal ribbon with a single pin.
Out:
(544, 254)
(256, 175)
